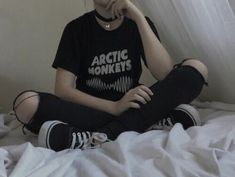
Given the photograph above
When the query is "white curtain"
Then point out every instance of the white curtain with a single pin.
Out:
(203, 29)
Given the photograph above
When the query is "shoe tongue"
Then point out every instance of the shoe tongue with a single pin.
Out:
(170, 121)
(79, 139)
(70, 137)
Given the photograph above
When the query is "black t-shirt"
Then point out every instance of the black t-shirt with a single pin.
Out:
(107, 63)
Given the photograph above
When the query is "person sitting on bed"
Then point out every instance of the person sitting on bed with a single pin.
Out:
(97, 91)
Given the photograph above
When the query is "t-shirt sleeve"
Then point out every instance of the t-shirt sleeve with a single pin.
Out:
(152, 26)
(67, 53)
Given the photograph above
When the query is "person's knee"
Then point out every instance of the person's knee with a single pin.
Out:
(26, 105)
(201, 67)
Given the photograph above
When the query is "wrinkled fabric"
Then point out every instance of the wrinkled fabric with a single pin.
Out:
(207, 151)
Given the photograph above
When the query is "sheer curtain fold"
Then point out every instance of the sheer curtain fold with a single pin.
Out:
(203, 29)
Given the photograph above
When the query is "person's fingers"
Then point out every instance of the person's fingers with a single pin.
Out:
(109, 5)
(148, 90)
(134, 105)
(140, 99)
(116, 12)
(144, 94)
(121, 14)
(118, 7)
(113, 11)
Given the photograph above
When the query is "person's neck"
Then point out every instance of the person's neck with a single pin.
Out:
(103, 12)
(111, 25)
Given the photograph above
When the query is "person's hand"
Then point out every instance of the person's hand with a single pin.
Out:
(140, 93)
(121, 8)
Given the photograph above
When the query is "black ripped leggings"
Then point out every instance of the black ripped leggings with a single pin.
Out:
(181, 86)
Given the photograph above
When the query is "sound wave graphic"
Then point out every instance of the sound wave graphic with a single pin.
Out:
(121, 85)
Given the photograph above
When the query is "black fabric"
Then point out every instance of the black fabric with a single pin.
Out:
(106, 63)
(103, 18)
(52, 107)
(181, 86)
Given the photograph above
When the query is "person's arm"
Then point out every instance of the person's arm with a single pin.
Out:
(64, 88)
(158, 60)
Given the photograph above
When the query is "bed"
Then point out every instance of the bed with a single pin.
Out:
(205, 151)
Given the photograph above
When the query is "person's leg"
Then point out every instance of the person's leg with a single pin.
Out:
(183, 84)
(34, 108)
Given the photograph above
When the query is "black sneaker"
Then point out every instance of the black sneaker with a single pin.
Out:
(185, 114)
(58, 136)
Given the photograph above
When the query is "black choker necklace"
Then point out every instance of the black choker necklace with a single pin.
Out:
(103, 18)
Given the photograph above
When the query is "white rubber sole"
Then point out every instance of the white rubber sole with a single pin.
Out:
(43, 136)
(192, 112)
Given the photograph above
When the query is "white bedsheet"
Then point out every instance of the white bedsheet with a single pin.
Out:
(205, 151)
(4, 130)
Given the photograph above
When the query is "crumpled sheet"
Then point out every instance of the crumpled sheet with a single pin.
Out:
(206, 151)
(4, 130)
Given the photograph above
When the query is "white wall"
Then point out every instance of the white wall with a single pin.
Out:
(30, 31)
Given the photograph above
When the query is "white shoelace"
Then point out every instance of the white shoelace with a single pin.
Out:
(88, 140)
(164, 124)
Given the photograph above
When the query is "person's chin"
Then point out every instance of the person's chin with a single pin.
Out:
(101, 3)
